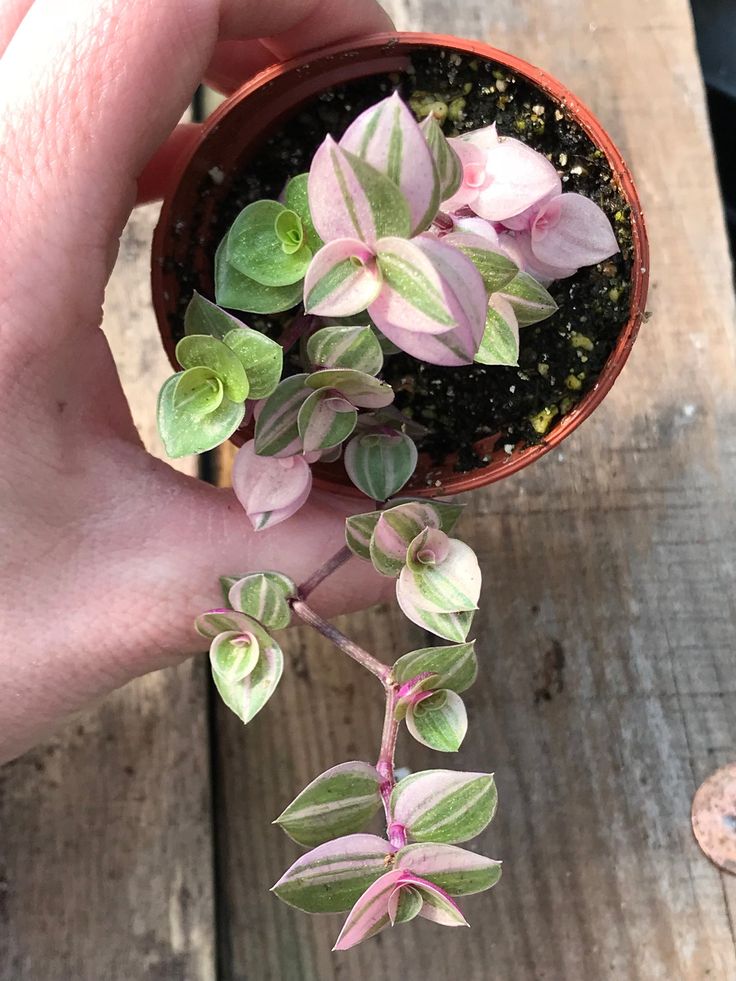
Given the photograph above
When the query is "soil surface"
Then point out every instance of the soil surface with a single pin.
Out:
(561, 357)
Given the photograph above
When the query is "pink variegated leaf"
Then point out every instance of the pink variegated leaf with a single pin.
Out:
(395, 530)
(571, 230)
(358, 387)
(389, 138)
(494, 266)
(438, 720)
(270, 489)
(485, 139)
(404, 904)
(518, 177)
(370, 914)
(325, 421)
(215, 622)
(478, 226)
(342, 279)
(455, 870)
(248, 696)
(473, 161)
(348, 198)
(264, 596)
(439, 907)
(446, 159)
(358, 532)
(277, 432)
(442, 574)
(444, 805)
(332, 877)
(433, 302)
(518, 247)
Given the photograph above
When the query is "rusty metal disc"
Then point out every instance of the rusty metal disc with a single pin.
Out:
(714, 818)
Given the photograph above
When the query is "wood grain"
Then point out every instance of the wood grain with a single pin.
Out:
(608, 624)
(105, 849)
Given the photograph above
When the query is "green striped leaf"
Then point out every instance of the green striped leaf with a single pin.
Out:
(360, 389)
(456, 667)
(529, 299)
(277, 430)
(248, 696)
(264, 596)
(395, 530)
(438, 721)
(215, 622)
(389, 138)
(455, 870)
(500, 343)
(296, 198)
(200, 350)
(346, 347)
(325, 421)
(266, 243)
(496, 269)
(349, 198)
(204, 317)
(332, 877)
(448, 163)
(404, 905)
(340, 801)
(239, 292)
(380, 464)
(262, 358)
(198, 391)
(185, 429)
(442, 574)
(234, 655)
(358, 531)
(342, 280)
(448, 511)
(449, 626)
(444, 805)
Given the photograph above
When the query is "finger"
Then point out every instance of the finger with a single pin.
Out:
(12, 13)
(158, 174)
(88, 90)
(234, 62)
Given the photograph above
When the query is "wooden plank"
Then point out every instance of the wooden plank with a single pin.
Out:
(105, 861)
(607, 630)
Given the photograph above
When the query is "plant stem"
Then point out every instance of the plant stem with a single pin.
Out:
(299, 325)
(331, 565)
(385, 766)
(313, 619)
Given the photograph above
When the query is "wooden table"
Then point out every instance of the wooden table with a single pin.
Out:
(136, 844)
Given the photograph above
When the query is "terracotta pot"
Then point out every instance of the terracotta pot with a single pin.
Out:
(232, 136)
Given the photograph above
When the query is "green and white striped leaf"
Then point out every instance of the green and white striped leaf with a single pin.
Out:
(296, 198)
(342, 280)
(530, 300)
(264, 596)
(260, 245)
(277, 429)
(449, 626)
(456, 667)
(439, 721)
(389, 138)
(339, 802)
(404, 905)
(248, 696)
(262, 358)
(200, 350)
(198, 391)
(449, 512)
(332, 877)
(360, 389)
(500, 343)
(496, 269)
(379, 464)
(442, 574)
(395, 530)
(185, 429)
(204, 317)
(448, 163)
(444, 805)
(346, 347)
(439, 907)
(358, 532)
(234, 655)
(325, 420)
(349, 198)
(456, 870)
(215, 622)
(239, 292)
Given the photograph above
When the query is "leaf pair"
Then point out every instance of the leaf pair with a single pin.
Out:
(246, 661)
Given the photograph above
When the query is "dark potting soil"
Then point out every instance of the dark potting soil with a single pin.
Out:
(560, 358)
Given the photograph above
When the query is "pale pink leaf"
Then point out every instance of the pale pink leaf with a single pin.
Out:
(571, 230)
(270, 489)
(370, 914)
(517, 178)
(518, 247)
(473, 160)
(342, 279)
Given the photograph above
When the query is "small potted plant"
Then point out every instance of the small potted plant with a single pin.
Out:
(411, 242)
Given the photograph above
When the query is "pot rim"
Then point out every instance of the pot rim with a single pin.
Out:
(379, 47)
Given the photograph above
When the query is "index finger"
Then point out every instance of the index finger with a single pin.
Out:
(88, 90)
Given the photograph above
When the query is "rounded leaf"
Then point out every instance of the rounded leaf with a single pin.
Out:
(186, 430)
(198, 392)
(571, 230)
(264, 596)
(380, 464)
(519, 177)
(340, 801)
(296, 199)
(239, 292)
(346, 347)
(360, 389)
(325, 421)
(249, 695)
(262, 358)
(394, 532)
(199, 350)
(234, 655)
(214, 622)
(255, 248)
(439, 721)
(456, 666)
(342, 281)
(270, 490)
(445, 579)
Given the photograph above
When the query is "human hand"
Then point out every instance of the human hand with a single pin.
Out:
(107, 554)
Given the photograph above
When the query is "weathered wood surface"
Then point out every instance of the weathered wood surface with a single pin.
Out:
(105, 831)
(607, 631)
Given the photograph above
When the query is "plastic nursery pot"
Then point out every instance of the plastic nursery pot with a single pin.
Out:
(238, 132)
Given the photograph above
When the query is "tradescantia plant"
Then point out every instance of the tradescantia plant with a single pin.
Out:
(398, 238)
